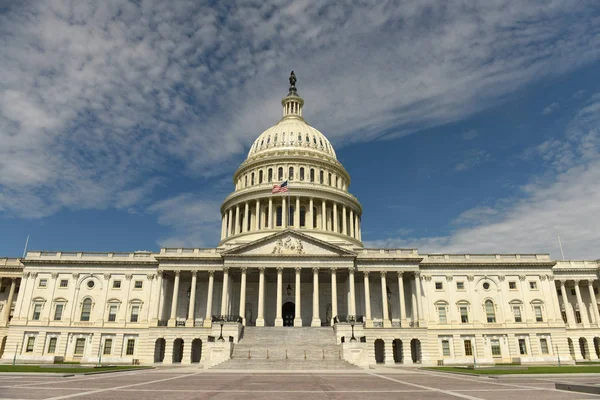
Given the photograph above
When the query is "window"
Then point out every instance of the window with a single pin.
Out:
(130, 347)
(302, 173)
(544, 345)
(86, 309)
(270, 175)
(595, 290)
(64, 283)
(577, 317)
(495, 344)
(512, 285)
(442, 314)
(107, 347)
(2, 288)
(291, 174)
(559, 291)
(112, 312)
(486, 286)
(37, 310)
(329, 179)
(564, 316)
(572, 292)
(291, 211)
(58, 310)
(314, 214)
(460, 286)
(252, 179)
(279, 218)
(280, 173)
(439, 285)
(321, 178)
(446, 348)
(468, 348)
(522, 347)
(135, 311)
(538, 314)
(302, 216)
(517, 313)
(138, 284)
(116, 284)
(90, 284)
(79, 346)
(490, 312)
(43, 283)
(464, 314)
(52, 345)
(312, 175)
(533, 285)
(260, 177)
(30, 344)
(246, 181)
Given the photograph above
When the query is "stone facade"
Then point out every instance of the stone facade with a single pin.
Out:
(296, 258)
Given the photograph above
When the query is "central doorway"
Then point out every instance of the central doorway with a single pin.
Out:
(288, 310)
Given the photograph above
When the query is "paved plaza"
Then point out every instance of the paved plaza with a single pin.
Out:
(188, 383)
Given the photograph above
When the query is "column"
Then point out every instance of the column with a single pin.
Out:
(260, 318)
(278, 318)
(237, 219)
(316, 320)
(270, 217)
(257, 220)
(323, 215)
(401, 298)
(344, 225)
(223, 226)
(566, 305)
(192, 308)
(310, 212)
(594, 303)
(335, 219)
(160, 297)
(224, 292)
(352, 305)
(297, 316)
(8, 305)
(229, 222)
(243, 296)
(356, 225)
(358, 228)
(352, 223)
(413, 302)
(297, 214)
(284, 210)
(246, 216)
(368, 316)
(172, 319)
(418, 288)
(582, 308)
(387, 323)
(209, 297)
(334, 307)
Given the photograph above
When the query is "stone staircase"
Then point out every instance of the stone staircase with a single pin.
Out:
(278, 348)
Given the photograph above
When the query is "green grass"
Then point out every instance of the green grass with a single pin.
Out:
(568, 369)
(63, 370)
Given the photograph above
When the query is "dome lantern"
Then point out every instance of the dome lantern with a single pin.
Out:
(292, 103)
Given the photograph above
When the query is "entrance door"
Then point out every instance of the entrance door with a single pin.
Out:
(288, 310)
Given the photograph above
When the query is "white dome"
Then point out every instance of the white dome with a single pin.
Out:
(291, 133)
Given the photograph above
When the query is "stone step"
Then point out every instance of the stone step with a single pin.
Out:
(286, 365)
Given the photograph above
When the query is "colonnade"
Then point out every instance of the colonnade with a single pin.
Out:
(582, 318)
(5, 316)
(303, 212)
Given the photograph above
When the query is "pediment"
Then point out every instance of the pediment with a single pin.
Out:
(288, 243)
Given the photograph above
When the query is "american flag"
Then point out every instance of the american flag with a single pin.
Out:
(280, 188)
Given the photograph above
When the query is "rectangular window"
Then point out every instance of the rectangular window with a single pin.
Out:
(30, 344)
(138, 284)
(58, 310)
(559, 291)
(64, 283)
(495, 344)
(116, 284)
(43, 283)
(544, 345)
(468, 348)
(538, 314)
(512, 285)
(533, 285)
(578, 317)
(464, 315)
(522, 347)
(460, 286)
(130, 347)
(564, 316)
(442, 314)
(517, 313)
(52, 345)
(37, 310)
(112, 313)
(446, 348)
(135, 311)
(79, 346)
(107, 347)
(572, 292)
(439, 286)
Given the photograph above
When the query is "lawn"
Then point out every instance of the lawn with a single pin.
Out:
(64, 370)
(568, 369)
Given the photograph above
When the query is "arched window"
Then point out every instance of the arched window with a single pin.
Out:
(490, 311)
(321, 176)
(266, 214)
(291, 212)
(280, 173)
(252, 179)
(260, 177)
(314, 215)
(301, 173)
(275, 139)
(270, 175)
(246, 181)
(329, 181)
(302, 216)
(279, 218)
(86, 309)
(291, 174)
(307, 139)
(300, 138)
(312, 175)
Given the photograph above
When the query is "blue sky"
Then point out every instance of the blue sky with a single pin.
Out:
(466, 127)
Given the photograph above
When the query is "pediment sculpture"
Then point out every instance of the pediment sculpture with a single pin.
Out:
(288, 246)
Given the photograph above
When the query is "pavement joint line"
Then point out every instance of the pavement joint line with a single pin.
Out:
(69, 396)
(83, 378)
(448, 392)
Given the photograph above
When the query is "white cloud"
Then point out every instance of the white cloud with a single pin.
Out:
(471, 159)
(470, 134)
(550, 108)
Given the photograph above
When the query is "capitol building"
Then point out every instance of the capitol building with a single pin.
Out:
(290, 285)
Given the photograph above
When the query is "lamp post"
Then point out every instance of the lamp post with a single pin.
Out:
(352, 322)
(221, 322)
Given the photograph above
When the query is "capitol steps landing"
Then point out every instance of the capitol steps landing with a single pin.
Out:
(287, 349)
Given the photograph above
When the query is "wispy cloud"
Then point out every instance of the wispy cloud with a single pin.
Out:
(550, 108)
(470, 134)
(471, 159)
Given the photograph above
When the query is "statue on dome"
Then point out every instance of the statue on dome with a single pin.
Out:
(292, 79)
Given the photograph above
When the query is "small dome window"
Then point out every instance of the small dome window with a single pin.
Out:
(315, 140)
(321, 142)
(275, 139)
(299, 137)
(262, 142)
(90, 284)
(307, 139)
(268, 140)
